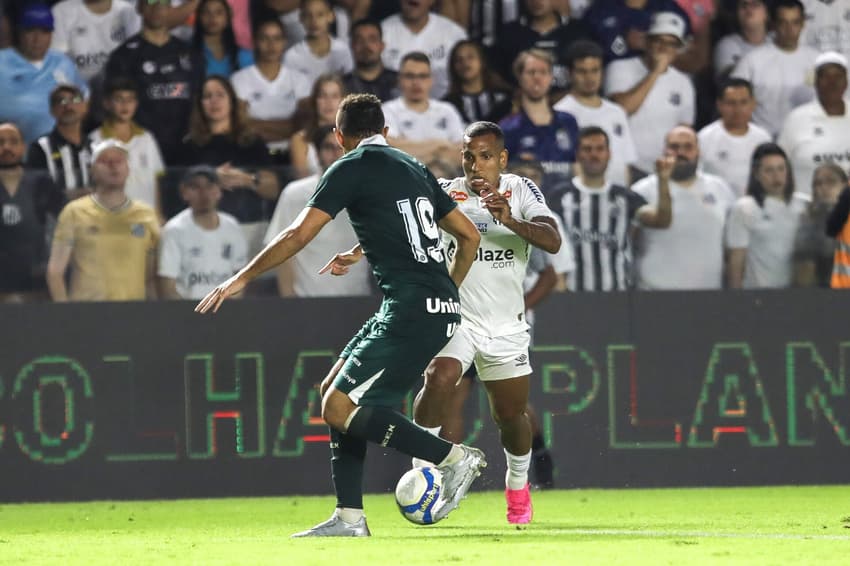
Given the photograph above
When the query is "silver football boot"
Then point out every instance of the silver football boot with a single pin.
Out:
(336, 527)
(457, 479)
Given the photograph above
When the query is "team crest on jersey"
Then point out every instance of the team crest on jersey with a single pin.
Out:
(675, 98)
(618, 129)
(137, 230)
(562, 138)
(527, 141)
(482, 227)
(709, 199)
(458, 196)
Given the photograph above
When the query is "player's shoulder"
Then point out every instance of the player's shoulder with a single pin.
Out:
(452, 184)
(521, 185)
(710, 131)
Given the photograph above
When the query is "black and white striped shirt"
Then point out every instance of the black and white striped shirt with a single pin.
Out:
(66, 163)
(598, 224)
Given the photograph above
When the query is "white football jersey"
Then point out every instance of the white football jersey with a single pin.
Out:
(491, 297)
(441, 121)
(300, 58)
(728, 156)
(270, 100)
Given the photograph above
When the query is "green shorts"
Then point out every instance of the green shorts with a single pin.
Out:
(387, 356)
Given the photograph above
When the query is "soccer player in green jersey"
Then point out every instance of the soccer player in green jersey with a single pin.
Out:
(397, 210)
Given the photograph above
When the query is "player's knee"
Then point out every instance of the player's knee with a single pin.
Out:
(439, 382)
(333, 411)
(509, 415)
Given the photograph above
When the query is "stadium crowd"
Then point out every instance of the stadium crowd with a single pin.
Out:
(148, 149)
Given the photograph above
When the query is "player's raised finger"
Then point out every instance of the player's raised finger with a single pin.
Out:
(328, 265)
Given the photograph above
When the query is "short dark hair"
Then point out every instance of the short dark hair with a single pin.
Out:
(319, 135)
(364, 23)
(754, 187)
(482, 128)
(588, 131)
(120, 84)
(583, 49)
(360, 116)
(735, 82)
(779, 4)
(417, 56)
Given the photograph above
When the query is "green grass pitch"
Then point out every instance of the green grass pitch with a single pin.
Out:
(753, 526)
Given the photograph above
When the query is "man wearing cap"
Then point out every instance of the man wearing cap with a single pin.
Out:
(108, 240)
(781, 72)
(64, 152)
(30, 71)
(200, 247)
(819, 132)
(655, 95)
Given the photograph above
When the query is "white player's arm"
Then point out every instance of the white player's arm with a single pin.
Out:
(288, 243)
(736, 259)
(466, 234)
(168, 288)
(57, 265)
(543, 287)
(660, 215)
(541, 231)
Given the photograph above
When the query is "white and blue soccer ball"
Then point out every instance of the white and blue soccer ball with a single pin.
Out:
(417, 493)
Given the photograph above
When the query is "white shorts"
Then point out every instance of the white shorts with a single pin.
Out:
(502, 357)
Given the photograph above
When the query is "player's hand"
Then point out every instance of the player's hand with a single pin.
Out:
(496, 204)
(664, 167)
(341, 262)
(214, 298)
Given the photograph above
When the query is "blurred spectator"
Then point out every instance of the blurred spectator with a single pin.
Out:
(827, 26)
(780, 72)
(763, 224)
(752, 21)
(417, 29)
(727, 144)
(697, 53)
(584, 60)
(819, 132)
(485, 18)
(689, 253)
(599, 216)
(327, 93)
(838, 227)
(299, 277)
(27, 198)
(814, 250)
(542, 27)
(419, 125)
(288, 13)
(215, 41)
(64, 153)
(536, 131)
(168, 73)
(620, 26)
(241, 20)
(369, 74)
(271, 90)
(656, 96)
(146, 165)
(30, 71)
(87, 31)
(108, 240)
(220, 136)
(200, 247)
(318, 53)
(477, 92)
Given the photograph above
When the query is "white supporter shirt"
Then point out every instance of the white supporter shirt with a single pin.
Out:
(491, 297)
(146, 166)
(670, 102)
(728, 156)
(781, 81)
(441, 121)
(811, 138)
(301, 59)
(827, 25)
(689, 254)
(337, 236)
(295, 31)
(270, 100)
(88, 38)
(768, 235)
(613, 119)
(435, 40)
(200, 259)
(731, 49)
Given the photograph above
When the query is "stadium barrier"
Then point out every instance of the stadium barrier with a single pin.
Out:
(150, 400)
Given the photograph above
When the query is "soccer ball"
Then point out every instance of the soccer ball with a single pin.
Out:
(417, 493)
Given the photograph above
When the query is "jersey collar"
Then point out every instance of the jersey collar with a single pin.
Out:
(377, 139)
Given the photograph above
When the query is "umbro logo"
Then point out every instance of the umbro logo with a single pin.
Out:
(521, 360)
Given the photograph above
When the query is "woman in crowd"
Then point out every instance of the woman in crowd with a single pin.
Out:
(762, 225)
(219, 135)
(813, 248)
(215, 40)
(328, 91)
(477, 92)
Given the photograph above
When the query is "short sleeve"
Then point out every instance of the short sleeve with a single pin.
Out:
(336, 189)
(169, 255)
(737, 227)
(532, 204)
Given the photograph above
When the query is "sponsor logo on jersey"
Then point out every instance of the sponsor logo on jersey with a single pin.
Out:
(436, 305)
(195, 251)
(579, 235)
(458, 196)
(85, 60)
(521, 360)
(831, 157)
(498, 259)
(482, 227)
(168, 91)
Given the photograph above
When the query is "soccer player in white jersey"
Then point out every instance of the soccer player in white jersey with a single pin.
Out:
(511, 216)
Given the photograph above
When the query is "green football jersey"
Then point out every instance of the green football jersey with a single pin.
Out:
(394, 204)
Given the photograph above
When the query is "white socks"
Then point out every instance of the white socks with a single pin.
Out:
(418, 463)
(349, 514)
(517, 474)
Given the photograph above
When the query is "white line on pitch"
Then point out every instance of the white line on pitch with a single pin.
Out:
(699, 534)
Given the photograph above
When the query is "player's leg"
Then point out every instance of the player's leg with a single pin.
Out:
(453, 423)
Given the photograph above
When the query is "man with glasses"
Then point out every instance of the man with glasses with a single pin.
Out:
(168, 74)
(655, 95)
(423, 127)
(64, 152)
